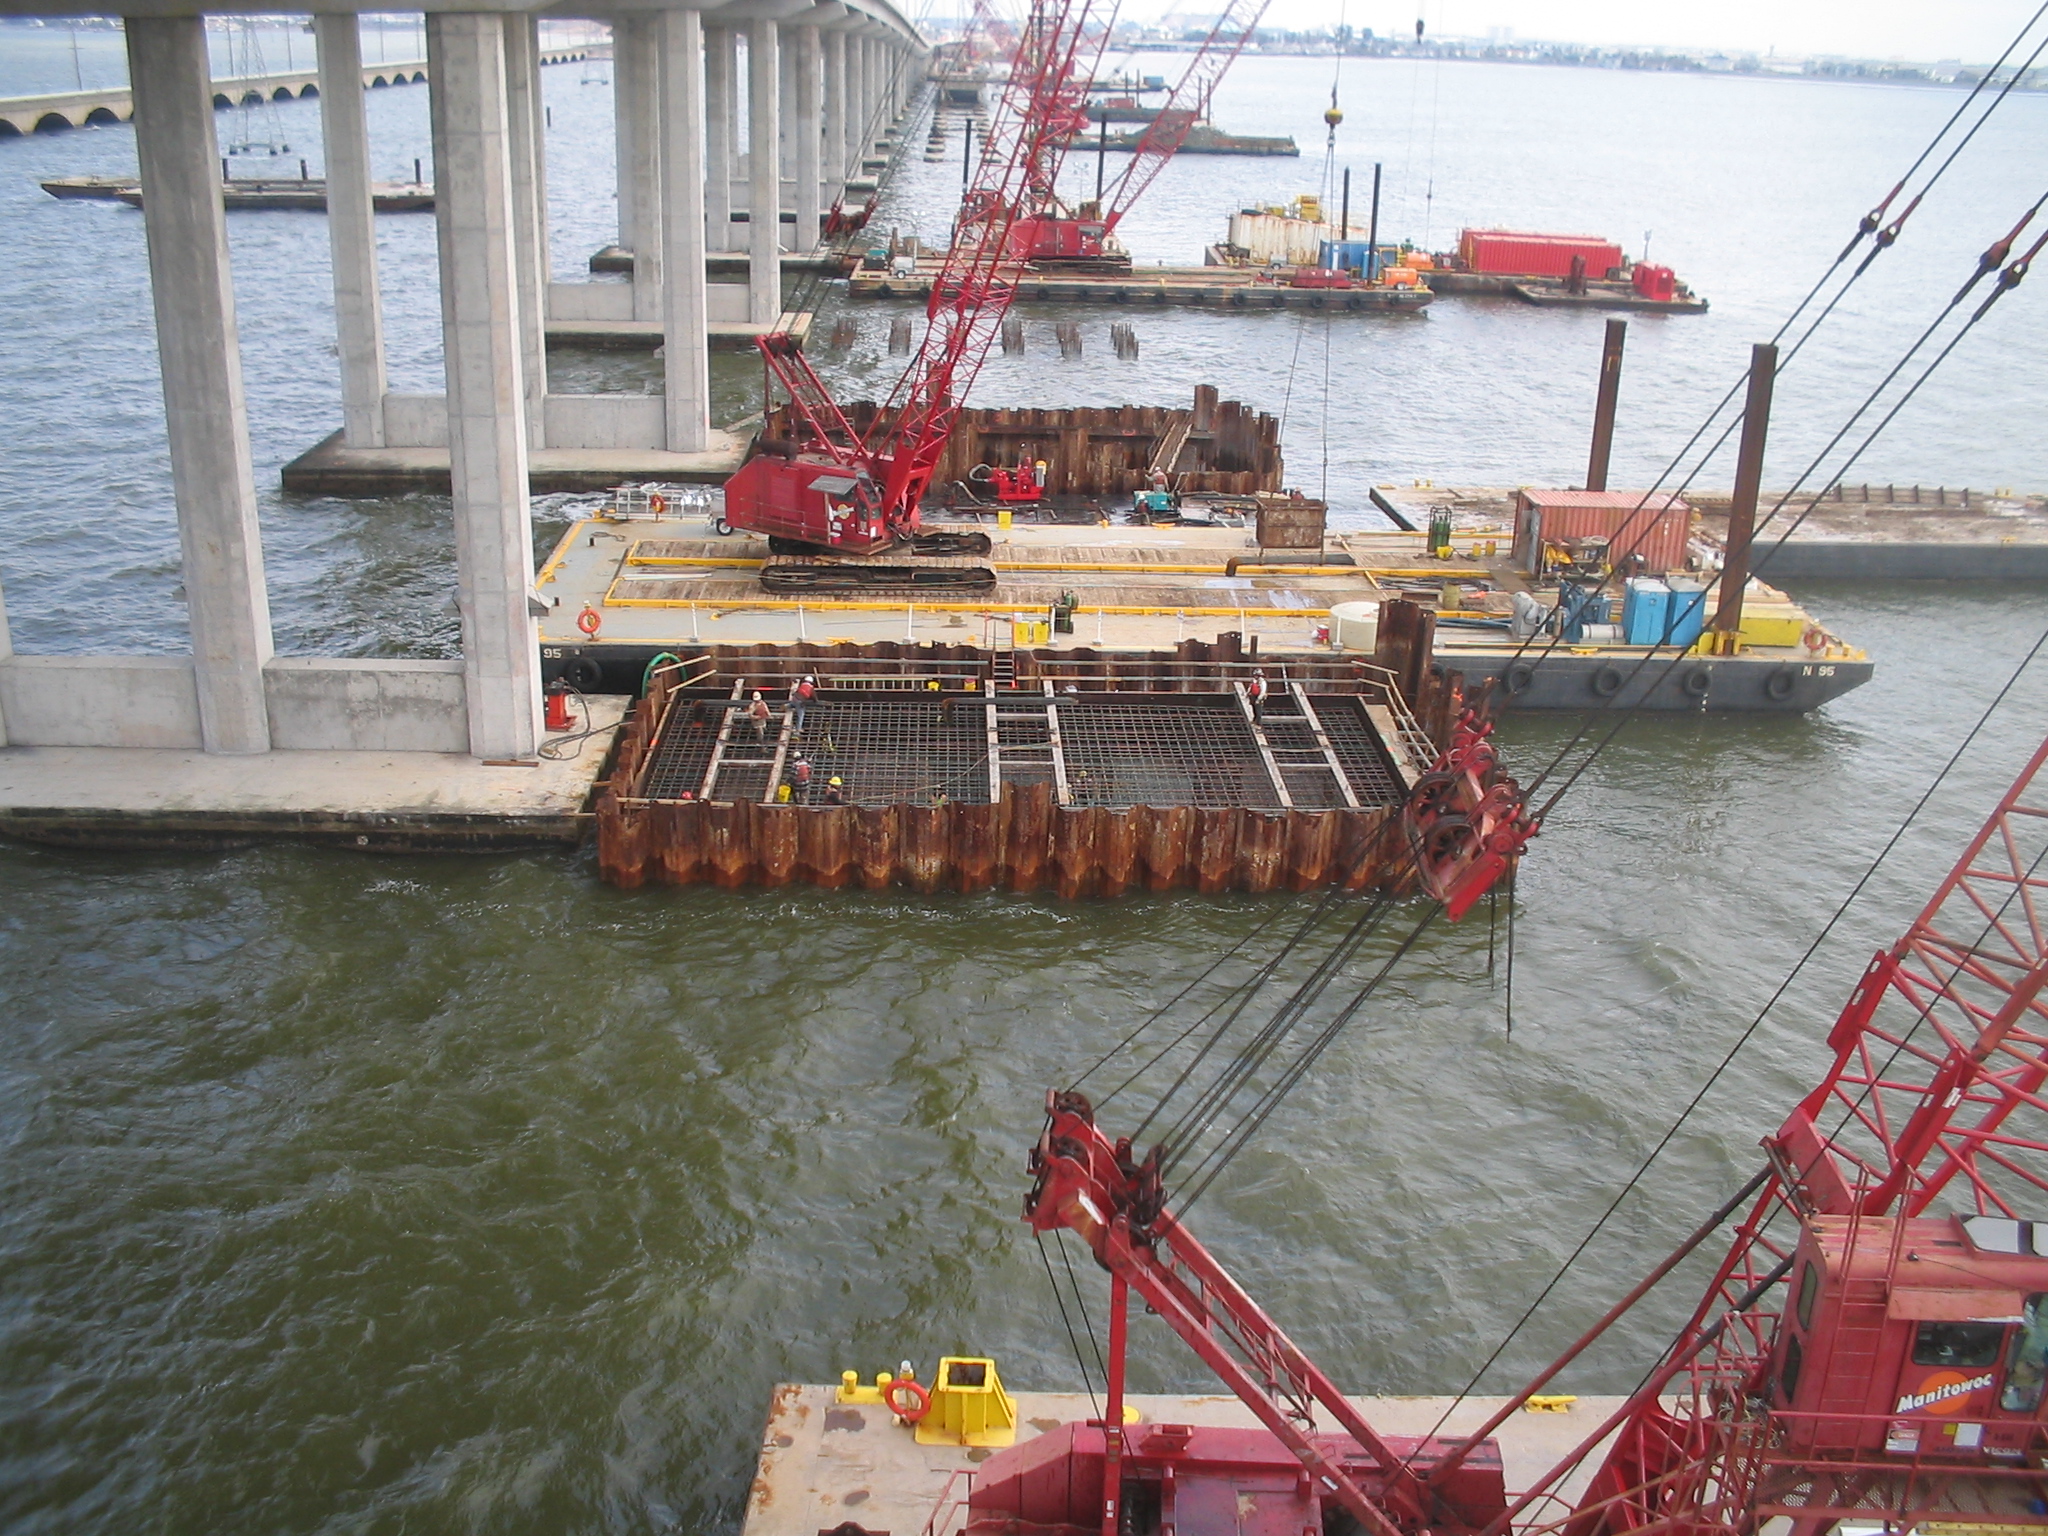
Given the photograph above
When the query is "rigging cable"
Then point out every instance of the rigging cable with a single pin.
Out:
(1755, 1024)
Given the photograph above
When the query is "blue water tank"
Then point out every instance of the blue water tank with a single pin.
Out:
(1688, 611)
(1645, 611)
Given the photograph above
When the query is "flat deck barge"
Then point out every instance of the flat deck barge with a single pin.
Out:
(670, 585)
(827, 1466)
(1201, 287)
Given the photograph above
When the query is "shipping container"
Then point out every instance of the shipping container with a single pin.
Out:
(1536, 255)
(1658, 529)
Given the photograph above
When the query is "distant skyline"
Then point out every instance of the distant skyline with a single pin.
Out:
(1971, 30)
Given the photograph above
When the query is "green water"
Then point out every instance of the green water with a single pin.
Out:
(349, 1194)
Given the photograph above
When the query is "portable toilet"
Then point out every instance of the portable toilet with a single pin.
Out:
(1688, 614)
(1645, 611)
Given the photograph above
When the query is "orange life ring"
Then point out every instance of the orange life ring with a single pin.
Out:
(1816, 638)
(589, 620)
(657, 503)
(918, 1409)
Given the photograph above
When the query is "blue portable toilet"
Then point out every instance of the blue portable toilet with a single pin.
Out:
(1645, 611)
(1688, 610)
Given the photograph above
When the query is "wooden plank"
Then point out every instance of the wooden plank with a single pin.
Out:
(1059, 750)
(995, 758)
(718, 747)
(1315, 725)
(1265, 747)
(782, 742)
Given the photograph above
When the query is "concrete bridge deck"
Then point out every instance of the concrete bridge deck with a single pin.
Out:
(75, 109)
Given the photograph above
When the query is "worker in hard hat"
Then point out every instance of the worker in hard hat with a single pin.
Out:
(835, 790)
(757, 712)
(1255, 690)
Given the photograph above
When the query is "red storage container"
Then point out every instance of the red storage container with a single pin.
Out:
(1656, 282)
(1657, 529)
(1512, 252)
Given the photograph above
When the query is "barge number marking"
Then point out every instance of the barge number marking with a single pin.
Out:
(1820, 671)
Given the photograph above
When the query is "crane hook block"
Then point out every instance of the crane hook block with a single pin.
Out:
(1465, 820)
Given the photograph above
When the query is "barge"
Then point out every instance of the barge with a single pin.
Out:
(305, 194)
(1201, 287)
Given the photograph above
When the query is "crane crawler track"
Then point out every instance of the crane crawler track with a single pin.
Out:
(799, 575)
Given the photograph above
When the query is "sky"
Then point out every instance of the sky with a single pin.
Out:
(1975, 31)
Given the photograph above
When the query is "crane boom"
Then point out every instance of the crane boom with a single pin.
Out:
(1855, 1353)
(842, 487)
(1187, 105)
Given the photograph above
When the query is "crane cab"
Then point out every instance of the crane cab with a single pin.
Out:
(808, 498)
(1924, 1337)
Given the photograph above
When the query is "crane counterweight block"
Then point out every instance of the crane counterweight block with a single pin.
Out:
(1465, 821)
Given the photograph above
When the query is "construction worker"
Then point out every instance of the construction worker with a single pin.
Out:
(800, 776)
(758, 713)
(835, 790)
(1255, 690)
(800, 697)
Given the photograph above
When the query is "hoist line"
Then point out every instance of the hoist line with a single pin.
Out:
(1211, 1103)
(1234, 1142)
(1073, 1338)
(1199, 1117)
(1890, 415)
(1164, 1008)
(1242, 991)
(1866, 226)
(1777, 995)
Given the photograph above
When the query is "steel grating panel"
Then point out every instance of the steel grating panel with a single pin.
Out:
(1359, 749)
(1114, 750)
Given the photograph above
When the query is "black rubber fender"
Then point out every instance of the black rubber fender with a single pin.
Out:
(1697, 682)
(1518, 677)
(584, 674)
(1607, 681)
(1779, 685)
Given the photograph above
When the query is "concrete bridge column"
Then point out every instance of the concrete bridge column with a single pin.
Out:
(721, 115)
(351, 230)
(481, 339)
(200, 353)
(764, 167)
(636, 72)
(524, 116)
(809, 134)
(870, 99)
(833, 154)
(686, 343)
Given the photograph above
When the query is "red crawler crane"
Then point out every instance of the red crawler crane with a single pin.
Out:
(852, 491)
(1858, 1354)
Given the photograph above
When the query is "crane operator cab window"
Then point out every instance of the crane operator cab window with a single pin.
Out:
(1958, 1346)
(2026, 1367)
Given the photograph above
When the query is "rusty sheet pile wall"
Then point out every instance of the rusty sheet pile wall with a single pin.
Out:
(1018, 835)
(1220, 446)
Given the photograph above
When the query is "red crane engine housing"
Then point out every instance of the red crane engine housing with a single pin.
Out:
(814, 499)
(1924, 1337)
(1201, 1478)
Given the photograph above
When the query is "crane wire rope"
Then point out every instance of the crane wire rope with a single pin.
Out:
(1073, 1338)
(1210, 1103)
(1625, 715)
(1867, 225)
(1742, 1040)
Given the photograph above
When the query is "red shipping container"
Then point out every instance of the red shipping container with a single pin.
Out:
(1658, 529)
(1656, 282)
(1510, 252)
